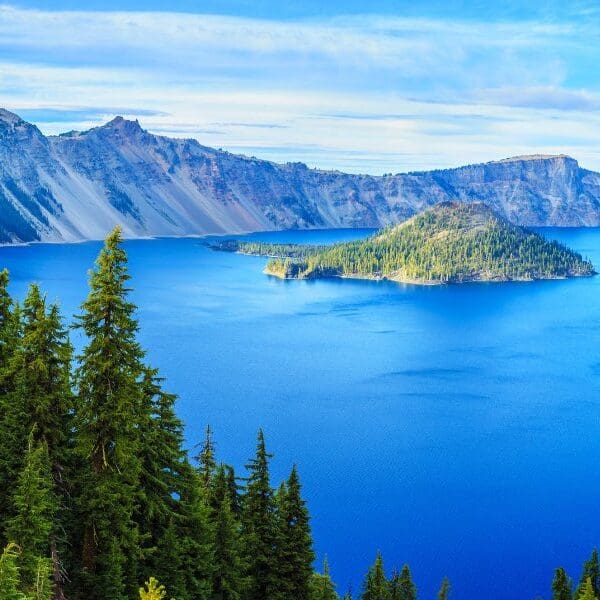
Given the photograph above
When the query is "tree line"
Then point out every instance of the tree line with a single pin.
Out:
(99, 499)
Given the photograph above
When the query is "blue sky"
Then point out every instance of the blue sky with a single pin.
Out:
(380, 86)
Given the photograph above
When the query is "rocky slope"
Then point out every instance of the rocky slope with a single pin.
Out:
(80, 184)
(452, 242)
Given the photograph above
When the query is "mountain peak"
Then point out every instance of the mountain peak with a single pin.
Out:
(126, 126)
(8, 117)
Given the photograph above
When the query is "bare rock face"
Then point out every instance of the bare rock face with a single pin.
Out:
(78, 185)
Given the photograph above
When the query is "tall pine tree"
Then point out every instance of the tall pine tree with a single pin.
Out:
(322, 586)
(259, 528)
(109, 419)
(591, 571)
(30, 528)
(228, 582)
(376, 585)
(562, 586)
(295, 553)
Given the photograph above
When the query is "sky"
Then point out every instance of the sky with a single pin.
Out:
(377, 86)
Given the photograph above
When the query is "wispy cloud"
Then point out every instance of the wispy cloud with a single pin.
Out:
(362, 93)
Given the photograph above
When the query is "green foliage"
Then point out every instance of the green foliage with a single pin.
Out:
(591, 571)
(10, 580)
(376, 585)
(444, 591)
(295, 554)
(451, 242)
(228, 580)
(152, 590)
(587, 591)
(110, 411)
(35, 509)
(259, 528)
(562, 586)
(322, 586)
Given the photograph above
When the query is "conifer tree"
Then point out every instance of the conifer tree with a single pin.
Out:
(228, 570)
(109, 411)
(562, 586)
(259, 530)
(33, 522)
(196, 536)
(41, 402)
(376, 585)
(322, 586)
(10, 581)
(444, 591)
(408, 590)
(207, 463)
(162, 460)
(295, 554)
(587, 590)
(591, 571)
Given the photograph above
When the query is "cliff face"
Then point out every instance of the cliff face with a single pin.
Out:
(79, 185)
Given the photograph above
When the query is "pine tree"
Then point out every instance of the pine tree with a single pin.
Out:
(591, 571)
(562, 586)
(110, 405)
(207, 464)
(41, 401)
(587, 590)
(9, 466)
(35, 509)
(295, 554)
(196, 536)
(408, 591)
(376, 585)
(162, 460)
(10, 580)
(322, 587)
(228, 570)
(444, 591)
(259, 529)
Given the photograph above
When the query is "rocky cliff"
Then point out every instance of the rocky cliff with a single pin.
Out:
(78, 185)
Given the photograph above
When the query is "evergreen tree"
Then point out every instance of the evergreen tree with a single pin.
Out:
(591, 571)
(322, 587)
(295, 554)
(233, 489)
(376, 585)
(41, 402)
(408, 590)
(562, 586)
(228, 572)
(207, 464)
(259, 530)
(444, 591)
(196, 536)
(587, 590)
(162, 460)
(35, 509)
(110, 404)
(10, 581)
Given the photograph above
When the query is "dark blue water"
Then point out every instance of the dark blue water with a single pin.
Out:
(453, 428)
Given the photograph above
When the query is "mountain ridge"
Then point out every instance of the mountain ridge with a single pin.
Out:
(77, 185)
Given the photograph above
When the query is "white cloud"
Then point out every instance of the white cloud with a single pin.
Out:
(278, 89)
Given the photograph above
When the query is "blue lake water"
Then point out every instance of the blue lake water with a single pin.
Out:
(454, 428)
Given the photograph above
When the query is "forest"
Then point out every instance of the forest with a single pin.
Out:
(451, 242)
(100, 498)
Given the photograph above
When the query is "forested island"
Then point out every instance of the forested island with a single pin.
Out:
(100, 500)
(450, 243)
